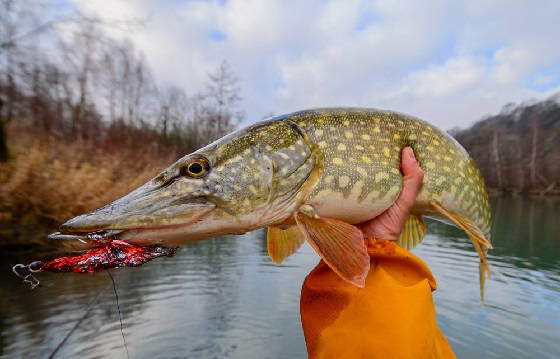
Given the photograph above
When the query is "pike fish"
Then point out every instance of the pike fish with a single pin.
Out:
(308, 176)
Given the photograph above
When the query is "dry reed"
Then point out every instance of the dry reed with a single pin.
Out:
(48, 181)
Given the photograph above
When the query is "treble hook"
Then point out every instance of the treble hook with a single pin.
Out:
(27, 276)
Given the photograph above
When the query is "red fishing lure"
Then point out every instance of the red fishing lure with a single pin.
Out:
(114, 254)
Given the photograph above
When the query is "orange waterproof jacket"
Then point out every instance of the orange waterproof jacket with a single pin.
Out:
(392, 317)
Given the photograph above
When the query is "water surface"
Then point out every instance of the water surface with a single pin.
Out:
(223, 298)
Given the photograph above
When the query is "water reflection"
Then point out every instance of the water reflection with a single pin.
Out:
(526, 231)
(224, 298)
(522, 314)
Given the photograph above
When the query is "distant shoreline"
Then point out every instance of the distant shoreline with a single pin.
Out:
(533, 193)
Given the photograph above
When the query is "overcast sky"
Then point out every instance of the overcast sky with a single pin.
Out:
(449, 62)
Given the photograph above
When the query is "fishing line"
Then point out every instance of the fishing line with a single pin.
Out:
(112, 254)
(91, 305)
(120, 315)
(89, 308)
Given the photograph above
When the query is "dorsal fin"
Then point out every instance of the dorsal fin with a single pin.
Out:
(413, 232)
(282, 243)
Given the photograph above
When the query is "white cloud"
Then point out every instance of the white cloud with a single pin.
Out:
(454, 76)
(514, 63)
(450, 63)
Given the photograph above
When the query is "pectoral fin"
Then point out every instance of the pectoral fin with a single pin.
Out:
(341, 245)
(282, 243)
(480, 243)
(413, 232)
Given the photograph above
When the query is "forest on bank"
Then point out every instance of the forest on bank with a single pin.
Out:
(518, 150)
(83, 120)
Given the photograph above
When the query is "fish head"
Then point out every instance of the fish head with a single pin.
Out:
(246, 180)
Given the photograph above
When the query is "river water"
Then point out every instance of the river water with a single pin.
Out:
(223, 298)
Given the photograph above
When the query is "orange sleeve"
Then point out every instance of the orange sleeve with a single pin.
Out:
(392, 317)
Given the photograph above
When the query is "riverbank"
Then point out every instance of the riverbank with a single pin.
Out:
(47, 181)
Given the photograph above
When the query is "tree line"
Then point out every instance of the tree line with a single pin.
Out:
(518, 150)
(64, 77)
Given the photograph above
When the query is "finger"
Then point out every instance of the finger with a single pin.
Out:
(412, 181)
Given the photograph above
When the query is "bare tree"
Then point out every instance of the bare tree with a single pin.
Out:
(18, 21)
(93, 86)
(3, 145)
(533, 163)
(221, 101)
(173, 112)
(517, 150)
(496, 152)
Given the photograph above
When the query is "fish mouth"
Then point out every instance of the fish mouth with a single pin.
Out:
(83, 241)
(83, 238)
(150, 208)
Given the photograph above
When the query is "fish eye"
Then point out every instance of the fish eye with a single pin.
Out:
(196, 167)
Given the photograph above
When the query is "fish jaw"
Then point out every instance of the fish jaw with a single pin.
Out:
(214, 224)
(150, 206)
(168, 234)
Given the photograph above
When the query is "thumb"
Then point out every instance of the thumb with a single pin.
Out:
(412, 180)
(389, 224)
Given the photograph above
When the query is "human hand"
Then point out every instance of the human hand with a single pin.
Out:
(389, 224)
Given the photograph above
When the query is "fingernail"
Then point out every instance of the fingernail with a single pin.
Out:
(411, 154)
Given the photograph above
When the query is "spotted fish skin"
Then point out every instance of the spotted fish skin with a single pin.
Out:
(362, 178)
(342, 162)
(309, 175)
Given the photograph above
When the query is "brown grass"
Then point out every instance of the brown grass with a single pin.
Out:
(49, 181)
